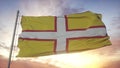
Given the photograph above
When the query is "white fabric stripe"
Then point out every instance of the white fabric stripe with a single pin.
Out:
(61, 34)
(71, 34)
(61, 40)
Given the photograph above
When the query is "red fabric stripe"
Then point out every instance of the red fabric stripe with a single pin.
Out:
(66, 22)
(37, 39)
(38, 31)
(67, 43)
(88, 37)
(55, 21)
(85, 28)
(55, 45)
(97, 26)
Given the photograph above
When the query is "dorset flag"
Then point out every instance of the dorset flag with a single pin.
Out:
(47, 35)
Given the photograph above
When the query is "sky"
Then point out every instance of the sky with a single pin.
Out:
(110, 15)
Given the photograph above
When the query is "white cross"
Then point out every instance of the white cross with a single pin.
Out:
(61, 35)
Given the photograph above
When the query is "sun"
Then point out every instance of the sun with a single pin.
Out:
(73, 60)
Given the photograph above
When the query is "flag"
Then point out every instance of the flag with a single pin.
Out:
(48, 35)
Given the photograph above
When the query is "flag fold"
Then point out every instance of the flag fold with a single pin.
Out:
(48, 35)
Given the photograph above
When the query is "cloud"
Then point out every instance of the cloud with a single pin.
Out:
(48, 7)
(2, 45)
(115, 27)
(112, 64)
(23, 64)
(7, 20)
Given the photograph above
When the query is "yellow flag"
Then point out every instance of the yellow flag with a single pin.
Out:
(47, 35)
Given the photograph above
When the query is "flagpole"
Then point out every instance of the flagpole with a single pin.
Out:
(13, 39)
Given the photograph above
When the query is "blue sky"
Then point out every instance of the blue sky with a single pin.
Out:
(8, 8)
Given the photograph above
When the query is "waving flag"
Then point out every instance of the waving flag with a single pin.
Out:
(47, 35)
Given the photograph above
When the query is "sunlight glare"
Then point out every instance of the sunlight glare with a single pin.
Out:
(73, 60)
(4, 52)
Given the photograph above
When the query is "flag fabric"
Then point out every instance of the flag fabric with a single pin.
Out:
(47, 35)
